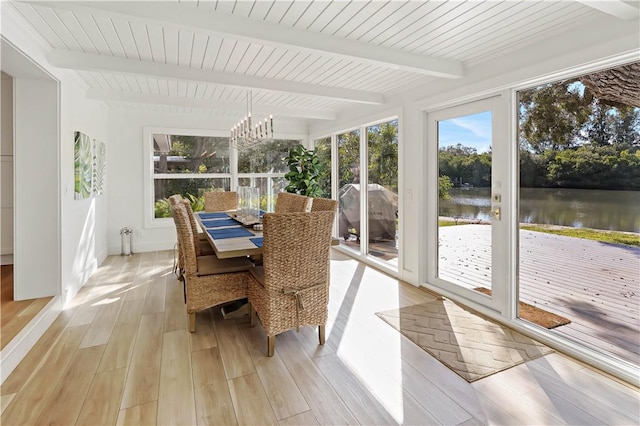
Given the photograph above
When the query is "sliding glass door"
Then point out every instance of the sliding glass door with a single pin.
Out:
(368, 191)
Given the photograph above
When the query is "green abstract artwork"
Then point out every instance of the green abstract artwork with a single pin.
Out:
(83, 166)
(99, 166)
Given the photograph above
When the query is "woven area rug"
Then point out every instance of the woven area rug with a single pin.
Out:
(467, 343)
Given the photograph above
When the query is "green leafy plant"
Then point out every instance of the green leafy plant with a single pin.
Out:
(162, 208)
(304, 171)
(197, 203)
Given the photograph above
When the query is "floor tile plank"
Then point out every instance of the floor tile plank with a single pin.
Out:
(102, 404)
(65, 404)
(284, 396)
(176, 403)
(213, 400)
(144, 372)
(250, 401)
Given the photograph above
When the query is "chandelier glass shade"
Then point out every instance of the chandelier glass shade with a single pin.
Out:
(249, 132)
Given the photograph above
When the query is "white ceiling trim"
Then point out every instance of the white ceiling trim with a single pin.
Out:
(146, 98)
(93, 62)
(617, 8)
(190, 17)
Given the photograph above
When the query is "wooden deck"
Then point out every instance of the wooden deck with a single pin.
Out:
(596, 285)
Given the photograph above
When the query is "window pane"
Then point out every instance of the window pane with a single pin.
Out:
(189, 188)
(349, 187)
(190, 154)
(268, 157)
(382, 193)
(323, 149)
(579, 210)
(464, 201)
(269, 188)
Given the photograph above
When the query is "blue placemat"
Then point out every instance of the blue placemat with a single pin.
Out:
(217, 223)
(220, 215)
(257, 241)
(238, 231)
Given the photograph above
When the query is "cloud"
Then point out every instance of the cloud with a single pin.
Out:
(471, 130)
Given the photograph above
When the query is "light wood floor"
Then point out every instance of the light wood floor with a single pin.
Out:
(15, 315)
(121, 354)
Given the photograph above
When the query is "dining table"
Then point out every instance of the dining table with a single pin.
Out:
(228, 236)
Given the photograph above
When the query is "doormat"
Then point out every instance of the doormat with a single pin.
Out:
(534, 314)
(467, 343)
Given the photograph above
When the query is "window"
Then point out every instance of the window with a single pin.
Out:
(264, 166)
(323, 149)
(189, 165)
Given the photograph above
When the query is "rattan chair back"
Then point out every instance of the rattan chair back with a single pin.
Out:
(324, 204)
(292, 203)
(175, 199)
(194, 226)
(295, 287)
(220, 201)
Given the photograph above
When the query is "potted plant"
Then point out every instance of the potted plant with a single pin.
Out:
(304, 170)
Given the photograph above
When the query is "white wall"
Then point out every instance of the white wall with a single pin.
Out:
(82, 244)
(125, 159)
(6, 171)
(37, 213)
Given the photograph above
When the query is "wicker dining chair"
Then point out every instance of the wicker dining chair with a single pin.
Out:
(291, 288)
(209, 281)
(220, 201)
(324, 204)
(178, 262)
(292, 203)
(202, 244)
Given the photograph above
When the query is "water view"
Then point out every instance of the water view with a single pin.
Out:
(579, 208)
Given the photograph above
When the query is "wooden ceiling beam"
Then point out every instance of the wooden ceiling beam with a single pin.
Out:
(616, 8)
(188, 16)
(92, 62)
(240, 108)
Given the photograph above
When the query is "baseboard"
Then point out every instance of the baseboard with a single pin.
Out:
(6, 259)
(145, 247)
(20, 345)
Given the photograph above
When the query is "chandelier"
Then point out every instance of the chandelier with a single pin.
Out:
(249, 132)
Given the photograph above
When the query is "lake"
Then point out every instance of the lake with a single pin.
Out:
(579, 208)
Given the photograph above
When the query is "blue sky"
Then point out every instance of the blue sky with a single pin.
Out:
(471, 130)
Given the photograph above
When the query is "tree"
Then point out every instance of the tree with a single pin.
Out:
(349, 158)
(383, 154)
(552, 115)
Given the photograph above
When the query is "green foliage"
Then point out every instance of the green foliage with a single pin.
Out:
(268, 157)
(162, 207)
(383, 154)
(201, 154)
(572, 140)
(552, 115)
(444, 186)
(304, 171)
(349, 155)
(464, 165)
(615, 237)
(197, 203)
(323, 151)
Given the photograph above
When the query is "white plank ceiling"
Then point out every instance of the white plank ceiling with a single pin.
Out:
(301, 59)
